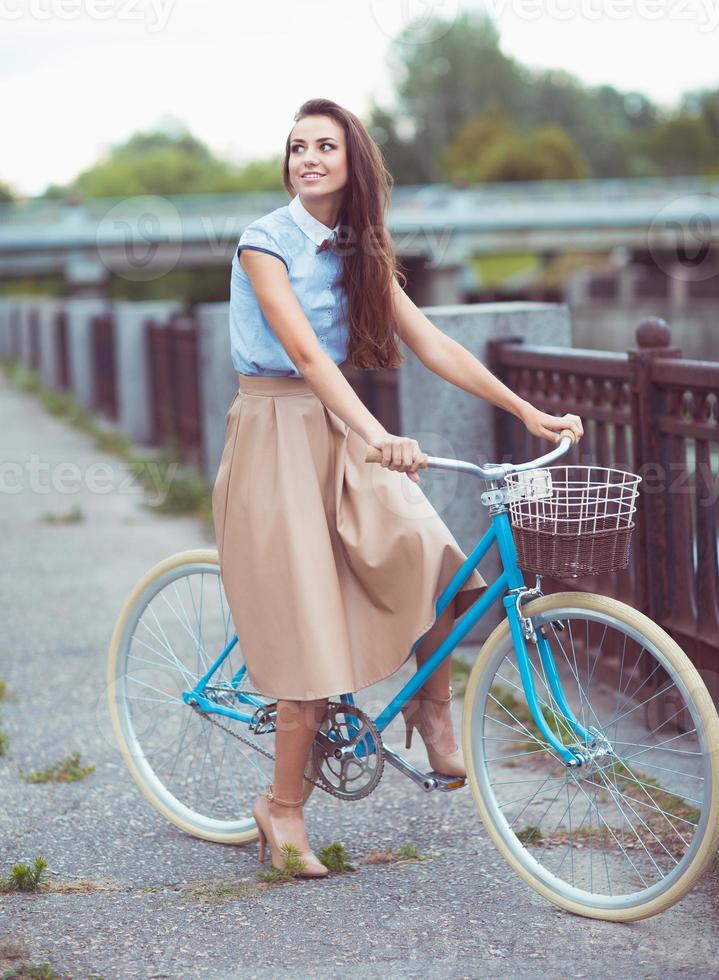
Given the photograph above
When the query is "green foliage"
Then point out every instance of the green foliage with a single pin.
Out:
(32, 971)
(4, 742)
(292, 865)
(546, 123)
(23, 878)
(166, 162)
(335, 857)
(407, 852)
(488, 148)
(6, 193)
(223, 890)
(174, 489)
(66, 771)
(529, 835)
(72, 516)
(3, 690)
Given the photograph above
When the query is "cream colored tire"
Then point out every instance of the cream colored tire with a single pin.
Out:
(187, 819)
(496, 647)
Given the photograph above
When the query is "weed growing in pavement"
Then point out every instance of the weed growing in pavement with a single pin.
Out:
(66, 771)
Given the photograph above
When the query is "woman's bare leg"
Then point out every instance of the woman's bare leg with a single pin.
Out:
(297, 724)
(439, 716)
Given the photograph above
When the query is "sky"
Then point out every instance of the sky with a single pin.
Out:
(77, 76)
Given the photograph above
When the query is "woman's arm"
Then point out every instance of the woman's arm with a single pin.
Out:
(285, 315)
(450, 360)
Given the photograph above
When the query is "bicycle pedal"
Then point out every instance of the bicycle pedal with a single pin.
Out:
(447, 783)
(263, 720)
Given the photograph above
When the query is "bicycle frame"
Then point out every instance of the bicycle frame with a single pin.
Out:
(508, 587)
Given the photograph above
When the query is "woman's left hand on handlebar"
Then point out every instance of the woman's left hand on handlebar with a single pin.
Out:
(549, 426)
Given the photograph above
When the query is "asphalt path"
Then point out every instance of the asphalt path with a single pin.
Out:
(130, 892)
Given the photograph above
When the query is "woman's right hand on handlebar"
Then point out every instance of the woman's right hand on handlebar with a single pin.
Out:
(550, 426)
(399, 453)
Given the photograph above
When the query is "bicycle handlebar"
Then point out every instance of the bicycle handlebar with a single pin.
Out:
(492, 471)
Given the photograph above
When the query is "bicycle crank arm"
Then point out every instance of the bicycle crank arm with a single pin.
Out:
(429, 781)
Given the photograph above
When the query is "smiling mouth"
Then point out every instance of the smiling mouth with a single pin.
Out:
(312, 176)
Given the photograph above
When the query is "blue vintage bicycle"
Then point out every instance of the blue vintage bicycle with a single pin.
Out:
(589, 738)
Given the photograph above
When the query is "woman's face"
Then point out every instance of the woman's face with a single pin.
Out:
(317, 146)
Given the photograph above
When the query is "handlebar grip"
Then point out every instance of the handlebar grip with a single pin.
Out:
(569, 435)
(374, 455)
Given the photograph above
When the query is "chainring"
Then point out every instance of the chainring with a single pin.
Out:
(331, 757)
(344, 729)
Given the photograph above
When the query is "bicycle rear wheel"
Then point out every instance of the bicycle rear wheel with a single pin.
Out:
(628, 833)
(171, 629)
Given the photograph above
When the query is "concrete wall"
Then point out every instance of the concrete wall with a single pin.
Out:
(448, 421)
(218, 380)
(132, 380)
(48, 311)
(80, 311)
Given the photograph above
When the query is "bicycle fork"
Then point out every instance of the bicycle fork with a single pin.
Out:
(523, 631)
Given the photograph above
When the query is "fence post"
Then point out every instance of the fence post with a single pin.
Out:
(653, 338)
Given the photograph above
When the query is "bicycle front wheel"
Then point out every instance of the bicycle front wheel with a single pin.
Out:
(172, 628)
(629, 832)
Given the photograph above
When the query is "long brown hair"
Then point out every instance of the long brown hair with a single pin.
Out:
(369, 260)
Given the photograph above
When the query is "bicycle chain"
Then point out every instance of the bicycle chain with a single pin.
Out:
(253, 745)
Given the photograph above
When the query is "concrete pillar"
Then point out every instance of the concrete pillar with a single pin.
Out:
(439, 286)
(6, 340)
(448, 421)
(218, 380)
(26, 310)
(48, 310)
(132, 381)
(79, 311)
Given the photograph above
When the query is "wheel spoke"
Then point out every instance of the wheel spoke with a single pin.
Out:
(603, 830)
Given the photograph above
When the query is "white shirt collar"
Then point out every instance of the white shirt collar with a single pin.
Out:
(314, 229)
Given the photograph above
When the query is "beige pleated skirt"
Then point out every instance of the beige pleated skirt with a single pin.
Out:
(332, 566)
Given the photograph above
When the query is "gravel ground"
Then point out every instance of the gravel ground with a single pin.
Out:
(462, 913)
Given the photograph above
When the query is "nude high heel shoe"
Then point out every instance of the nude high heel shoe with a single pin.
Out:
(450, 764)
(261, 812)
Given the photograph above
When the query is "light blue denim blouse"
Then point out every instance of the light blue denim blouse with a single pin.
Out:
(293, 235)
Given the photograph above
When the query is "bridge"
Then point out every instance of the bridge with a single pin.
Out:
(436, 228)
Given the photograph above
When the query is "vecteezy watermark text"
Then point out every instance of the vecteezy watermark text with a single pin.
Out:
(40, 476)
(155, 13)
(703, 12)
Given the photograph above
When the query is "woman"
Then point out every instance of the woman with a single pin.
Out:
(331, 574)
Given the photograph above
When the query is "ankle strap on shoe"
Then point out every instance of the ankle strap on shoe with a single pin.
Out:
(269, 793)
(428, 697)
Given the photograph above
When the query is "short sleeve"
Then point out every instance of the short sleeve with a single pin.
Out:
(257, 238)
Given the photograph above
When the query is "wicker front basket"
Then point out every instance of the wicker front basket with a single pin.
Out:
(566, 555)
(572, 520)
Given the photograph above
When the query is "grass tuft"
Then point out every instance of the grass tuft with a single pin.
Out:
(292, 865)
(223, 890)
(31, 971)
(182, 489)
(529, 835)
(336, 858)
(72, 516)
(23, 878)
(66, 771)
(407, 852)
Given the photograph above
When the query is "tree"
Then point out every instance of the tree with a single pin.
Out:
(441, 86)
(464, 160)
(681, 144)
(489, 148)
(166, 163)
(7, 195)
